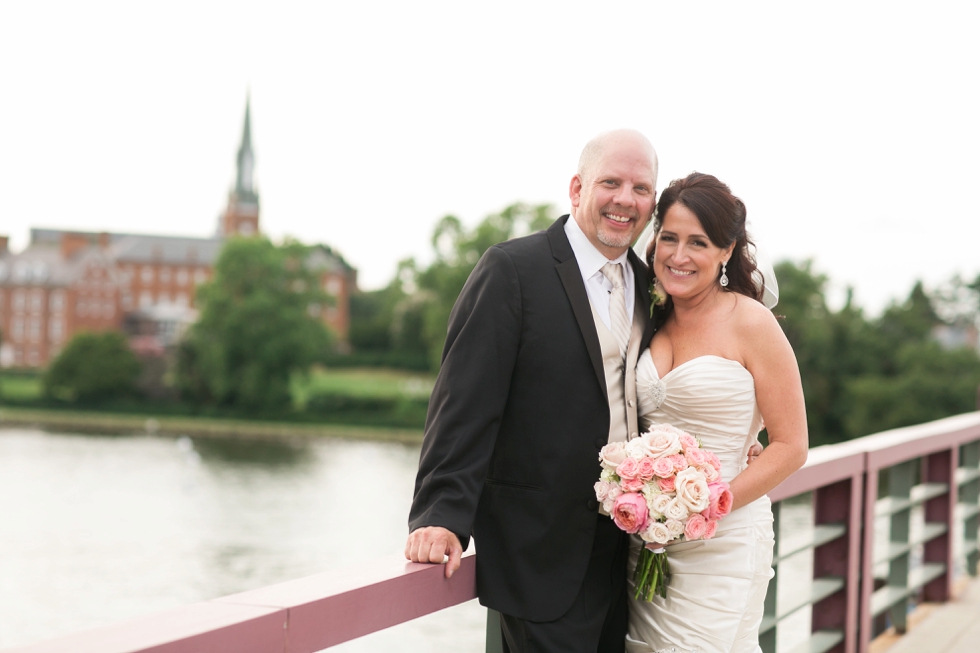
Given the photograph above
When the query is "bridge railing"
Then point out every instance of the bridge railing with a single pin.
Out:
(893, 515)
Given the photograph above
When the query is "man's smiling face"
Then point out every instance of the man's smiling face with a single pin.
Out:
(613, 199)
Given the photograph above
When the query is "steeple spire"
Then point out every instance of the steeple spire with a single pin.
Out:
(244, 183)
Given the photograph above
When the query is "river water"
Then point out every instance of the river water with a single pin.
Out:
(97, 529)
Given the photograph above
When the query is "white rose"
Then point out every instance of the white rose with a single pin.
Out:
(636, 449)
(660, 502)
(676, 510)
(691, 488)
(608, 476)
(659, 441)
(612, 454)
(675, 528)
(656, 532)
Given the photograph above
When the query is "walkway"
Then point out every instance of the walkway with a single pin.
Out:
(952, 627)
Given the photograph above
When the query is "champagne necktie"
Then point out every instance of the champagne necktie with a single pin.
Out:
(619, 322)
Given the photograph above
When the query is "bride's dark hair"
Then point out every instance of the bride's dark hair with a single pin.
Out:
(722, 216)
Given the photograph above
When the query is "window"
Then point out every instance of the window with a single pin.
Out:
(19, 300)
(35, 330)
(165, 275)
(146, 299)
(147, 274)
(56, 302)
(55, 330)
(182, 277)
(200, 276)
(333, 286)
(181, 299)
(17, 329)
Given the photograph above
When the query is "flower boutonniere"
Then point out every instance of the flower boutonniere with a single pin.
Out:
(658, 296)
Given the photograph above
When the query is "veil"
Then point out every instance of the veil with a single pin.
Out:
(764, 275)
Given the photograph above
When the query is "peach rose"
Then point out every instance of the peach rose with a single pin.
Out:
(630, 512)
(710, 473)
(692, 489)
(695, 527)
(666, 484)
(713, 459)
(719, 500)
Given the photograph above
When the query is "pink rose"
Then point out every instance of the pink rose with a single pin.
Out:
(719, 500)
(666, 484)
(646, 468)
(695, 527)
(709, 530)
(696, 457)
(688, 441)
(680, 462)
(612, 454)
(713, 459)
(632, 484)
(628, 468)
(630, 512)
(663, 467)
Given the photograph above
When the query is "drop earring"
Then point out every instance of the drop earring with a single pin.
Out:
(724, 276)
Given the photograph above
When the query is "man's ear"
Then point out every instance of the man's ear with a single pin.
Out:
(575, 190)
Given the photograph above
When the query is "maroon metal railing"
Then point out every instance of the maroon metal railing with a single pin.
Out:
(924, 480)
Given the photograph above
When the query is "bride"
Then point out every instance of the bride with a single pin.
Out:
(717, 367)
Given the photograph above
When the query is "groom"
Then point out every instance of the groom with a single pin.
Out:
(537, 375)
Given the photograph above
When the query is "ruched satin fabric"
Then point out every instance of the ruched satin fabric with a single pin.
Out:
(715, 600)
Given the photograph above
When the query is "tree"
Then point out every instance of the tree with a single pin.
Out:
(93, 367)
(259, 327)
(457, 252)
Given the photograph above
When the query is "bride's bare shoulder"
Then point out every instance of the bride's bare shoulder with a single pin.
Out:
(753, 318)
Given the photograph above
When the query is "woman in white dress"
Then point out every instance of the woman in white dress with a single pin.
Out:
(717, 366)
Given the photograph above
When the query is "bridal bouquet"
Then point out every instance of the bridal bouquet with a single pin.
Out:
(665, 488)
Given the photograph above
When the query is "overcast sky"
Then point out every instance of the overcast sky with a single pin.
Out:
(850, 129)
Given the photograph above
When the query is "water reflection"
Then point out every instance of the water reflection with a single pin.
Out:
(272, 454)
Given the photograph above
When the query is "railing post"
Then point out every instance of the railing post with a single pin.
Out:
(495, 638)
(767, 640)
(899, 488)
(839, 503)
(970, 496)
(940, 467)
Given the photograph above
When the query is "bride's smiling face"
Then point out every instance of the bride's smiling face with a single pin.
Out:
(686, 262)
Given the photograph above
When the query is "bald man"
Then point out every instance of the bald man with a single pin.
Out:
(536, 377)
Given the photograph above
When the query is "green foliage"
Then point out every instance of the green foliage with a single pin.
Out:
(862, 376)
(425, 313)
(93, 367)
(259, 327)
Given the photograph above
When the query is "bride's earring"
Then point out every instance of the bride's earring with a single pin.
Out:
(724, 276)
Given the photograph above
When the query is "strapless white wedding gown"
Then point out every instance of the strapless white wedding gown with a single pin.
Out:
(715, 599)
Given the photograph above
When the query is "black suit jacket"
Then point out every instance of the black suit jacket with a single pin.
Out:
(516, 420)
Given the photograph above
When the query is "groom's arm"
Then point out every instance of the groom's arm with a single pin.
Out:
(465, 410)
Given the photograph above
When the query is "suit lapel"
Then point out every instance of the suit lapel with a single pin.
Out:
(571, 279)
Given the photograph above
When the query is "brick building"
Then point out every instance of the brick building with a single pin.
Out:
(69, 281)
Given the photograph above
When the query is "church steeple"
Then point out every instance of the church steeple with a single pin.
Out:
(241, 218)
(244, 184)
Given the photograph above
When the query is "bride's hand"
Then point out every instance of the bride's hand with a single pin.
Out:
(754, 452)
(653, 546)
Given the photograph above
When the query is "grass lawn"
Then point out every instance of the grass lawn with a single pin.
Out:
(20, 388)
(364, 382)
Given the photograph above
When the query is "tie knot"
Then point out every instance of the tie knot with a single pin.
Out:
(614, 272)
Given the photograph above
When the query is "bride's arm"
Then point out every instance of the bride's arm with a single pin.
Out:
(779, 393)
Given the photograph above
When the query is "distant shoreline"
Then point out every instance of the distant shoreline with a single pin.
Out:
(128, 424)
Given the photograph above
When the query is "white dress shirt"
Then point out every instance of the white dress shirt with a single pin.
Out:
(590, 261)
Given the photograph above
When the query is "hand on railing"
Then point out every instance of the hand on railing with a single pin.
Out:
(433, 544)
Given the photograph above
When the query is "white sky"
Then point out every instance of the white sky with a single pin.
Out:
(850, 129)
